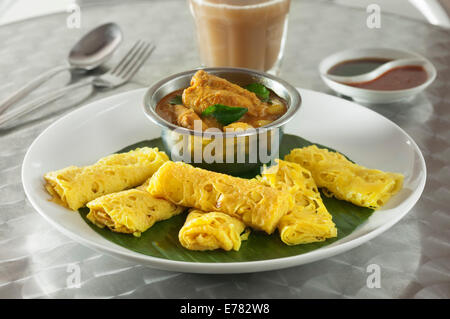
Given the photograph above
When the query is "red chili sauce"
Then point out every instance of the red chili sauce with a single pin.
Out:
(400, 78)
(357, 66)
(404, 77)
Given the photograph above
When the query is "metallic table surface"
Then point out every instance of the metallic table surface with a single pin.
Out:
(413, 256)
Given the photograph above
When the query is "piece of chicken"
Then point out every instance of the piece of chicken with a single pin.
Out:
(187, 117)
(207, 90)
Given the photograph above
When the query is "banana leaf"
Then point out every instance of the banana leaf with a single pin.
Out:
(161, 240)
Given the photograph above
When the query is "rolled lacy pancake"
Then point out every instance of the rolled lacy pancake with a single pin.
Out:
(309, 220)
(257, 205)
(211, 230)
(131, 211)
(346, 180)
(74, 186)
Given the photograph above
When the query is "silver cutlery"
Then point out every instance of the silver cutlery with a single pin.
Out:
(121, 73)
(92, 50)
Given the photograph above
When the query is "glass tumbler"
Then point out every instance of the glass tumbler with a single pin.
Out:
(241, 33)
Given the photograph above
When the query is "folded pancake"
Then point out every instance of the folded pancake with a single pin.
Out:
(74, 186)
(257, 205)
(131, 211)
(345, 180)
(211, 230)
(207, 89)
(309, 220)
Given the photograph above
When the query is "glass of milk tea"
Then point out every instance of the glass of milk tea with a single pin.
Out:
(241, 33)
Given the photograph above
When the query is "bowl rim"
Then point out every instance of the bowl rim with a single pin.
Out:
(293, 106)
(349, 52)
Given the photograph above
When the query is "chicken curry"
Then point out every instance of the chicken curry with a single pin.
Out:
(217, 103)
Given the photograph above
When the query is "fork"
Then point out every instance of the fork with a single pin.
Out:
(116, 76)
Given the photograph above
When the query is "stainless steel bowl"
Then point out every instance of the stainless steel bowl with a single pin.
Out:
(181, 143)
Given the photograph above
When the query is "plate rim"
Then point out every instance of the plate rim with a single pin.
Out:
(223, 267)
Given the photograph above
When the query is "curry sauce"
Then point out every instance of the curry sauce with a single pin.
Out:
(207, 90)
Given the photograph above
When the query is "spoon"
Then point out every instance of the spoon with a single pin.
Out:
(377, 72)
(92, 50)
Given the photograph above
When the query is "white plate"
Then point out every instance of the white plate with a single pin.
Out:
(107, 125)
(367, 96)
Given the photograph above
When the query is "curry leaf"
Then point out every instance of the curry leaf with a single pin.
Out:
(225, 114)
(177, 99)
(260, 90)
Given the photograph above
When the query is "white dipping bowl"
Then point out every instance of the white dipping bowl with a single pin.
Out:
(374, 96)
